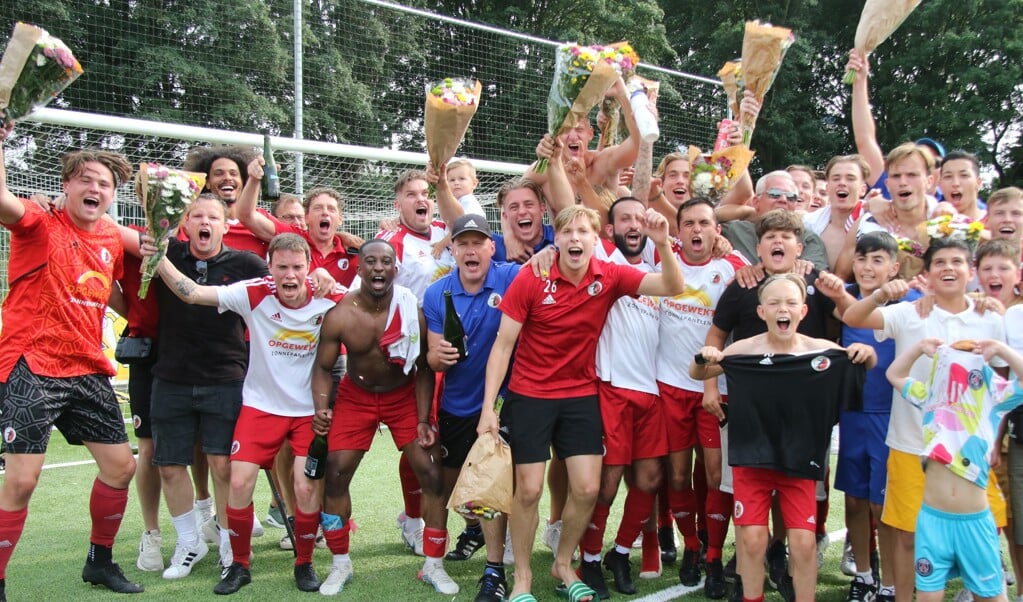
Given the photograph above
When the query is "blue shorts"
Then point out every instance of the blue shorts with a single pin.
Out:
(951, 545)
(862, 469)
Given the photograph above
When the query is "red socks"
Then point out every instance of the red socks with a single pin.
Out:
(411, 491)
(593, 537)
(435, 542)
(11, 526)
(106, 505)
(639, 505)
(239, 525)
(305, 535)
(337, 539)
(683, 505)
(719, 511)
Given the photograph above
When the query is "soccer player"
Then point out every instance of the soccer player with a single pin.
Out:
(53, 372)
(283, 320)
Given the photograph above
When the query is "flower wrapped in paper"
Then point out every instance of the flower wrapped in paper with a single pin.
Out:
(165, 195)
(450, 105)
(956, 227)
(581, 77)
(879, 19)
(731, 81)
(35, 68)
(712, 175)
(624, 59)
(763, 48)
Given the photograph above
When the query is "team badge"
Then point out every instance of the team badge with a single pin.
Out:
(976, 379)
(739, 509)
(104, 254)
(494, 300)
(810, 290)
(767, 360)
(595, 288)
(342, 264)
(10, 435)
(924, 567)
(318, 320)
(136, 421)
(716, 278)
(235, 446)
(820, 363)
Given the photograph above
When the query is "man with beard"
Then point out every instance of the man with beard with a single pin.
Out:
(633, 419)
(226, 173)
(389, 381)
(684, 322)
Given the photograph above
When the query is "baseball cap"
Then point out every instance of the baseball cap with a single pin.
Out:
(934, 144)
(471, 222)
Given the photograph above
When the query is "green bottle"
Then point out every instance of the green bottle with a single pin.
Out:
(271, 184)
(454, 332)
(316, 459)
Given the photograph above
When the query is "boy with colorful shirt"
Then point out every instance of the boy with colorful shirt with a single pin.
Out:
(963, 402)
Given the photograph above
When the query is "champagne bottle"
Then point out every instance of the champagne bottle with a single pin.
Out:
(454, 332)
(316, 459)
(271, 185)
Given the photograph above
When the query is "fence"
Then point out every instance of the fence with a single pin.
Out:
(160, 80)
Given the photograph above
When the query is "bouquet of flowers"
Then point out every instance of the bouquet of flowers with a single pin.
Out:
(582, 74)
(763, 48)
(956, 227)
(731, 81)
(877, 21)
(450, 105)
(164, 194)
(624, 60)
(712, 175)
(35, 68)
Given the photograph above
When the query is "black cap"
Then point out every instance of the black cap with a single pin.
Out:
(471, 222)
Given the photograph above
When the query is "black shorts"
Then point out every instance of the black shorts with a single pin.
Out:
(183, 414)
(457, 435)
(140, 391)
(83, 408)
(572, 425)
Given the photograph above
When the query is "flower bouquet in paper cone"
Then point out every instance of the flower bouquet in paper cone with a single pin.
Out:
(731, 81)
(879, 19)
(450, 105)
(955, 227)
(165, 194)
(712, 175)
(581, 77)
(35, 68)
(763, 48)
(624, 59)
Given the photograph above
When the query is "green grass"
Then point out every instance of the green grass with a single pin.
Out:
(47, 563)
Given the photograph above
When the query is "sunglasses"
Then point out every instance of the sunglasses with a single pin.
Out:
(202, 268)
(776, 194)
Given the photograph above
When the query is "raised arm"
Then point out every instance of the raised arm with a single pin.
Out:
(898, 371)
(185, 288)
(669, 281)
(260, 225)
(623, 155)
(865, 313)
(864, 129)
(447, 205)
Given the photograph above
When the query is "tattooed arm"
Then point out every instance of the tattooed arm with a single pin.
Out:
(185, 288)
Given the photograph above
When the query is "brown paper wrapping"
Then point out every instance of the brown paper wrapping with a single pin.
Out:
(601, 79)
(446, 125)
(878, 20)
(19, 48)
(486, 476)
(763, 48)
(731, 84)
(740, 156)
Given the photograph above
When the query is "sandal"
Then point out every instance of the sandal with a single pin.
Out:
(523, 598)
(576, 592)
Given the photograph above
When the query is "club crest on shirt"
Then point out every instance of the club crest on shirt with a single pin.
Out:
(924, 567)
(235, 446)
(105, 255)
(820, 363)
(342, 264)
(976, 379)
(136, 421)
(810, 290)
(715, 278)
(739, 509)
(595, 288)
(10, 435)
(494, 300)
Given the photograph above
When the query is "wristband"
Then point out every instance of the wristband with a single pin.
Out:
(699, 359)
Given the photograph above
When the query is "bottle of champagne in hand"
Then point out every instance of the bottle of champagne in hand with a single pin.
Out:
(271, 184)
(454, 332)
(316, 459)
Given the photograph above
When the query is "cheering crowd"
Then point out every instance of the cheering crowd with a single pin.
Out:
(700, 351)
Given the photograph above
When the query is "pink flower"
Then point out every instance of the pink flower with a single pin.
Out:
(165, 223)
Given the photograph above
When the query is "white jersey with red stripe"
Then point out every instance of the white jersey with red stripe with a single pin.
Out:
(417, 267)
(282, 344)
(686, 318)
(628, 341)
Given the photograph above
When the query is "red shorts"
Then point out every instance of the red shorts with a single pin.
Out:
(358, 413)
(687, 419)
(258, 436)
(753, 489)
(634, 426)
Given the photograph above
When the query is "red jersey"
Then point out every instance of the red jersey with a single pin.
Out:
(341, 266)
(561, 322)
(60, 277)
(143, 314)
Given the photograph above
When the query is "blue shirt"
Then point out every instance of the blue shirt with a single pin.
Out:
(464, 382)
(877, 391)
(501, 253)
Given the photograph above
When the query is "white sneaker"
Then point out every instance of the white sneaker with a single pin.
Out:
(848, 565)
(509, 554)
(210, 530)
(150, 558)
(552, 537)
(339, 576)
(286, 543)
(257, 527)
(184, 559)
(637, 544)
(412, 533)
(434, 574)
(321, 541)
